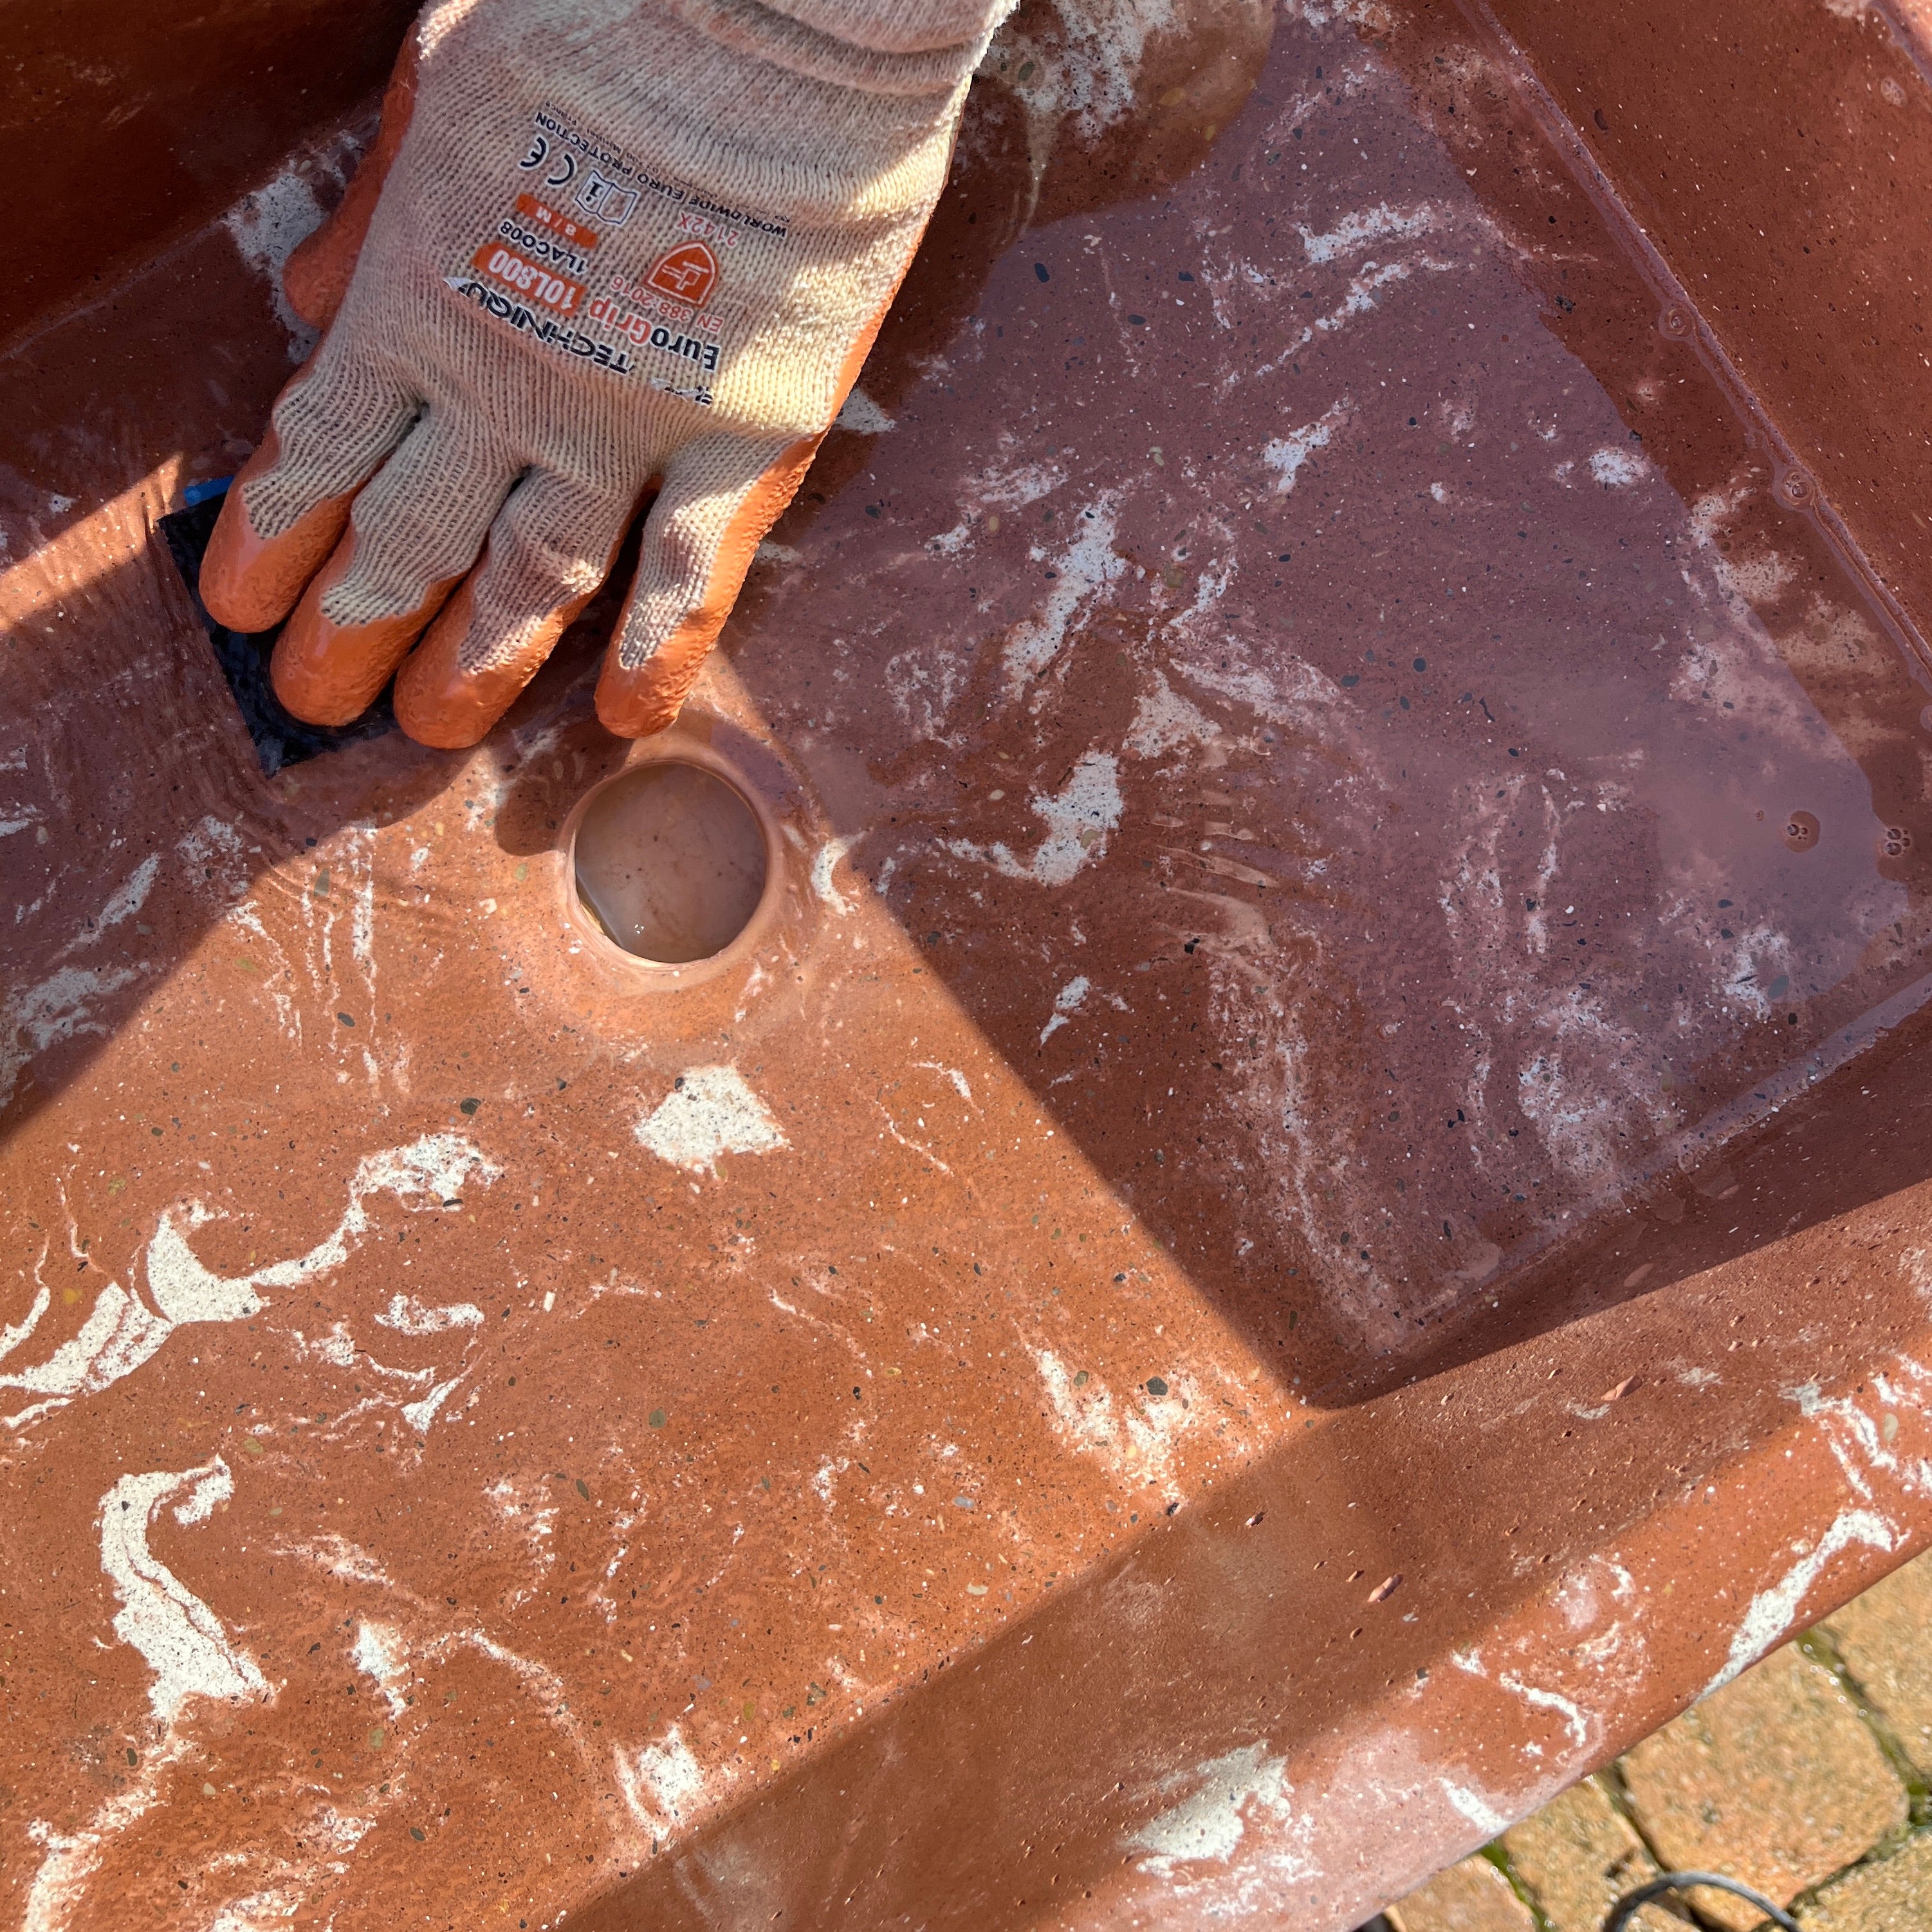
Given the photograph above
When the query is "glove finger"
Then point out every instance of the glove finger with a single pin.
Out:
(329, 431)
(720, 497)
(549, 550)
(414, 531)
(315, 276)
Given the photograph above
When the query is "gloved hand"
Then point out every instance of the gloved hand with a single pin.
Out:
(608, 243)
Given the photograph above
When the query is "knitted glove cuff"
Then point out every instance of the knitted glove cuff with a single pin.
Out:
(904, 47)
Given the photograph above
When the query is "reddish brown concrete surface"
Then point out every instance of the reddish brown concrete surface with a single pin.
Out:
(1775, 153)
(124, 131)
(1303, 1213)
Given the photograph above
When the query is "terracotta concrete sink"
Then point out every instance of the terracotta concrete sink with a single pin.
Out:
(1301, 1205)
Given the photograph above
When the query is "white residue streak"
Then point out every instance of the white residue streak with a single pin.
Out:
(1363, 289)
(1068, 1001)
(533, 1518)
(362, 912)
(709, 1112)
(121, 1332)
(1365, 225)
(215, 851)
(260, 1911)
(825, 861)
(1209, 1824)
(434, 1167)
(179, 1635)
(268, 226)
(1088, 565)
(1078, 817)
(1574, 1720)
(420, 1414)
(1773, 1611)
(347, 1562)
(863, 416)
(663, 1784)
(1481, 1811)
(1286, 454)
(122, 904)
(1617, 468)
(961, 1084)
(1915, 1264)
(1135, 1441)
(408, 1316)
(60, 1884)
(1163, 719)
(1858, 1441)
(380, 1655)
(59, 1007)
(1089, 68)
(1712, 511)
(1010, 489)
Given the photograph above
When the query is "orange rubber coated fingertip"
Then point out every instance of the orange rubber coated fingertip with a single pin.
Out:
(249, 582)
(315, 276)
(329, 673)
(640, 703)
(440, 704)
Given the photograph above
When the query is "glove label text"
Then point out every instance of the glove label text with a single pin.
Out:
(544, 328)
(528, 278)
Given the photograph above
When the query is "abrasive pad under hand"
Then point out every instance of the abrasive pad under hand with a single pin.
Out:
(598, 244)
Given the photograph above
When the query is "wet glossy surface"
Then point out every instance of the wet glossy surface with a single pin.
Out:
(1774, 154)
(1284, 737)
(1310, 669)
(670, 861)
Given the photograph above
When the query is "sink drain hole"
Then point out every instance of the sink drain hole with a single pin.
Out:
(671, 862)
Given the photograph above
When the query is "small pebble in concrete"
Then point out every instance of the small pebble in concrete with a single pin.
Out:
(1773, 1780)
(1471, 1897)
(1882, 1636)
(1891, 1895)
(1578, 1856)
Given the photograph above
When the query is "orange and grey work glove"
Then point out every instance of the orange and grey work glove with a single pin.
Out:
(609, 244)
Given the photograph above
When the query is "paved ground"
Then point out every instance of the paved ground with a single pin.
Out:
(1808, 1778)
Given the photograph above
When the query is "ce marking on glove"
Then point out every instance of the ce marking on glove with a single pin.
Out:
(611, 202)
(539, 154)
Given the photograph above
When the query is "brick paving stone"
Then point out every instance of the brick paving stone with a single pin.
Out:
(1774, 1780)
(1886, 1638)
(1892, 1895)
(1578, 1856)
(1472, 1897)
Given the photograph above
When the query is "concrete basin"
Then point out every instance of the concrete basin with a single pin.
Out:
(1301, 1207)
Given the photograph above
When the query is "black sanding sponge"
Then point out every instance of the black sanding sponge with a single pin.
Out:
(279, 740)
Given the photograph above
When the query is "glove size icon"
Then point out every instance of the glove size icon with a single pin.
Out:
(574, 234)
(687, 273)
